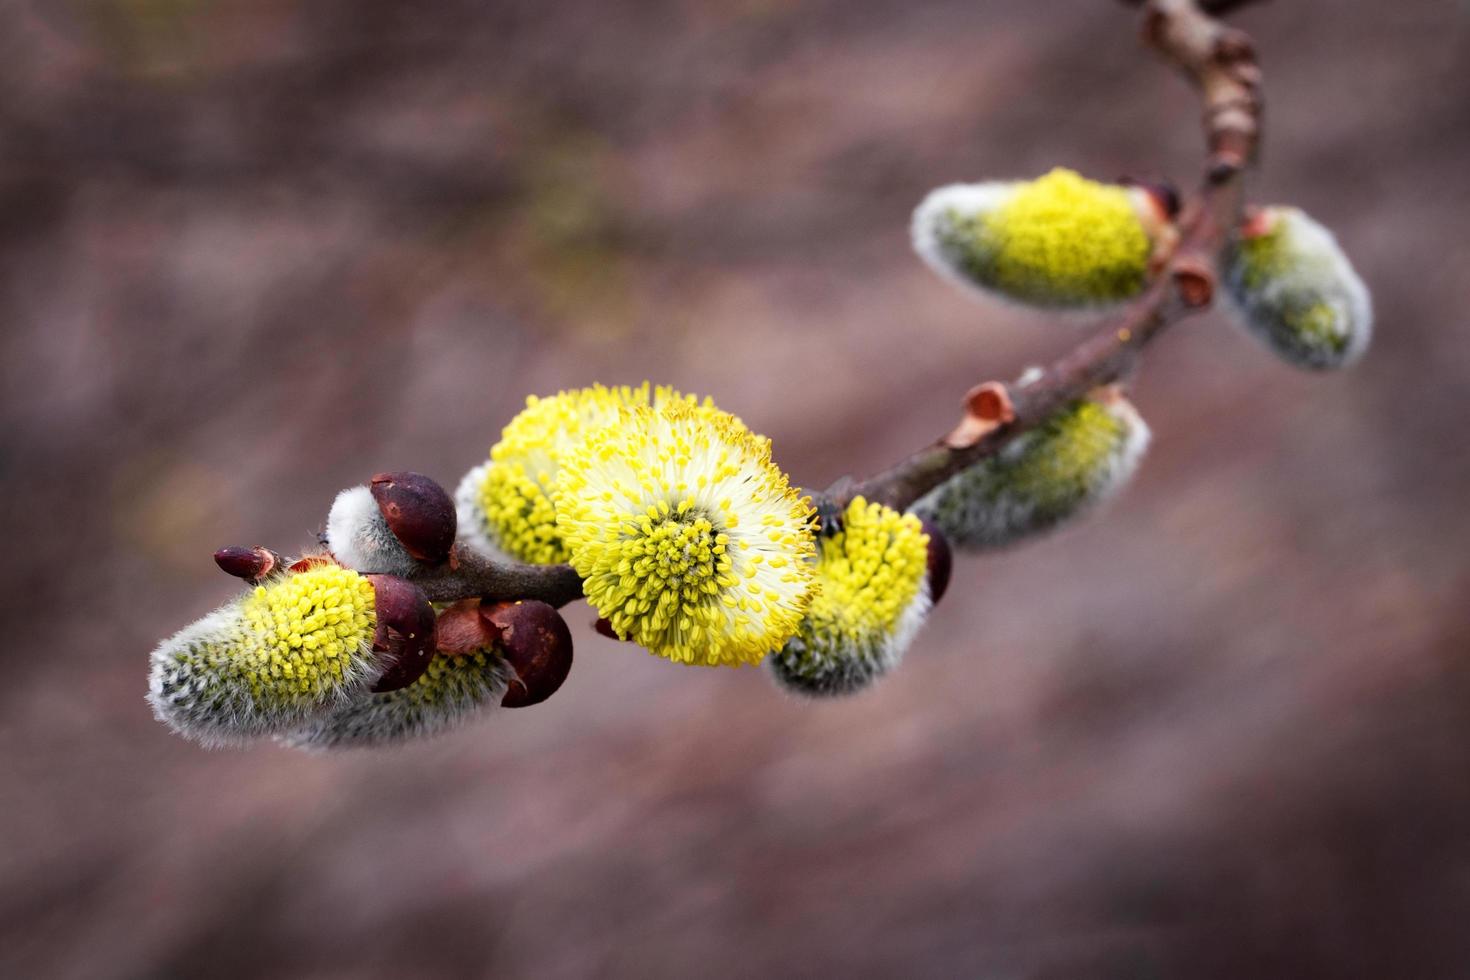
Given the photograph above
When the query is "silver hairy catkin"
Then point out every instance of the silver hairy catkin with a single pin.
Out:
(450, 692)
(474, 527)
(1292, 288)
(1043, 478)
(292, 647)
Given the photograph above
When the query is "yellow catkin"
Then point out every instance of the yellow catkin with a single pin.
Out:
(287, 650)
(306, 628)
(690, 541)
(1063, 238)
(868, 573)
(515, 494)
(870, 602)
(1058, 241)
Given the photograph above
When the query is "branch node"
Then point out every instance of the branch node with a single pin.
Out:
(1195, 282)
(988, 406)
(1233, 46)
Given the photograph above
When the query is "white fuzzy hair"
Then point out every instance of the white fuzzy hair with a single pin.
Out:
(931, 214)
(359, 537)
(473, 530)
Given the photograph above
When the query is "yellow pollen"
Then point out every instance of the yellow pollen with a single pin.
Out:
(867, 573)
(1060, 240)
(305, 631)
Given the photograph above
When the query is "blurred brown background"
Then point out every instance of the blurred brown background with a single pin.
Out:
(252, 251)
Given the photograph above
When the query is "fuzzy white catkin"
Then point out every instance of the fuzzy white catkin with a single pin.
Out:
(448, 694)
(359, 537)
(1293, 289)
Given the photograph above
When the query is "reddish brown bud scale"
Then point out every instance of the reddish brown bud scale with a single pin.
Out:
(1195, 282)
(941, 561)
(419, 513)
(990, 402)
(461, 629)
(535, 641)
(405, 634)
(250, 564)
(308, 562)
(988, 406)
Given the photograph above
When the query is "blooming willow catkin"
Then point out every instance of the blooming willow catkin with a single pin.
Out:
(268, 660)
(689, 540)
(1080, 456)
(506, 505)
(1060, 241)
(1292, 288)
(872, 596)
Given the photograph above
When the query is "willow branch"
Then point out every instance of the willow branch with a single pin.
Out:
(1221, 63)
(1222, 66)
(468, 575)
(465, 575)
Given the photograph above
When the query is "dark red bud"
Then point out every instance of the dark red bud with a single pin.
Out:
(405, 634)
(941, 561)
(535, 640)
(419, 513)
(251, 564)
(604, 626)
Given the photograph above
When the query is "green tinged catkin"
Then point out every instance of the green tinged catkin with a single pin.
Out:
(1293, 289)
(1042, 478)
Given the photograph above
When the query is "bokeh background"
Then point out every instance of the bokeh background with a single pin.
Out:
(253, 251)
